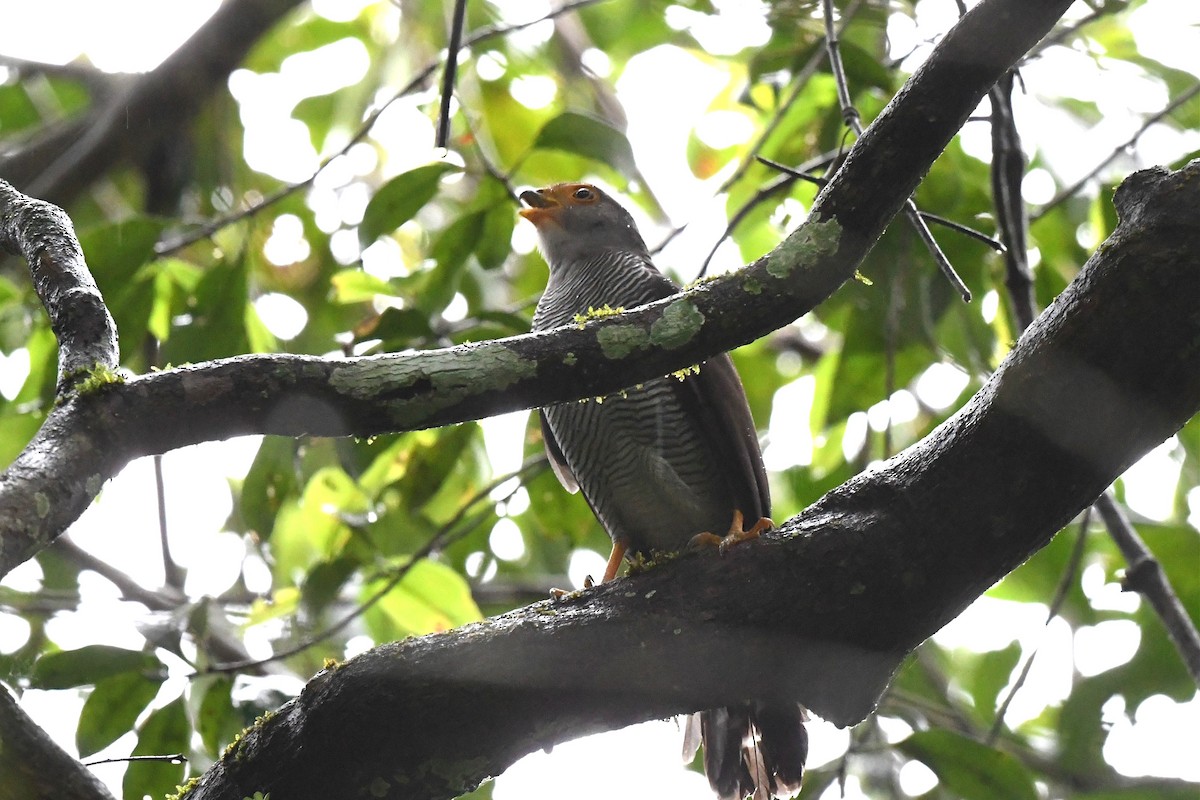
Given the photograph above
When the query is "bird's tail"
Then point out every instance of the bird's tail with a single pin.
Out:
(753, 750)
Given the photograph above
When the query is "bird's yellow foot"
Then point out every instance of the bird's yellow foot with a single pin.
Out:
(736, 535)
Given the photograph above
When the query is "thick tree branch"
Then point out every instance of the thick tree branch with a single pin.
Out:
(818, 611)
(86, 440)
(33, 766)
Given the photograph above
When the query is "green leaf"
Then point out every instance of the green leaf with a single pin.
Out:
(991, 673)
(398, 200)
(165, 733)
(270, 481)
(495, 240)
(589, 137)
(115, 252)
(456, 242)
(432, 597)
(356, 286)
(218, 326)
(112, 709)
(90, 664)
(216, 721)
(969, 769)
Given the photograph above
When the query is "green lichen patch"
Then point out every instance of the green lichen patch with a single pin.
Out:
(803, 247)
(618, 341)
(677, 326)
(42, 500)
(751, 285)
(453, 375)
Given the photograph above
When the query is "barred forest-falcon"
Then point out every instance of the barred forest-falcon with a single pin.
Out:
(661, 464)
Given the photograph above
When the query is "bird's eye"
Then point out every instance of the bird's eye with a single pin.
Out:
(584, 193)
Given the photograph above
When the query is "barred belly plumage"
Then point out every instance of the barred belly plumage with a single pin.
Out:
(642, 467)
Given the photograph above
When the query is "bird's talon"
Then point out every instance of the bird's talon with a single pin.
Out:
(588, 582)
(705, 539)
(738, 534)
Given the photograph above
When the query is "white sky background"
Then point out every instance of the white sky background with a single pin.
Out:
(121, 527)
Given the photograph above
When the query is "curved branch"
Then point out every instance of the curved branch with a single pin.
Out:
(1090, 387)
(87, 439)
(42, 234)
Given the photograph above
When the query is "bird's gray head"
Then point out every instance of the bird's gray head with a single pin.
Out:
(577, 222)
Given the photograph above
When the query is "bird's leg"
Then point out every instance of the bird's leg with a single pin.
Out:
(610, 571)
(614, 561)
(736, 535)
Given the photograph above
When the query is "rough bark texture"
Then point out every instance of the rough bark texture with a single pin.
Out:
(41, 233)
(822, 611)
(294, 395)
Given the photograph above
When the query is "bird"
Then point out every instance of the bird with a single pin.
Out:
(663, 465)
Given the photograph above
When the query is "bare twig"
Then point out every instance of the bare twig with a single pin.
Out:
(449, 72)
(1007, 171)
(762, 195)
(1145, 576)
(853, 121)
(958, 227)
(1071, 190)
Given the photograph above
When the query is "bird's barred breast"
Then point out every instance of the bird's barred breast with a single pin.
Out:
(643, 468)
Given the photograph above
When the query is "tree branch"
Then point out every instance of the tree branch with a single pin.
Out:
(41, 233)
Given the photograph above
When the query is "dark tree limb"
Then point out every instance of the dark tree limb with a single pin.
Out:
(42, 234)
(33, 766)
(87, 439)
(843, 591)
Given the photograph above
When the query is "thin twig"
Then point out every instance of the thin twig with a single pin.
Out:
(449, 73)
(1145, 576)
(418, 81)
(969, 232)
(854, 122)
(1007, 173)
(173, 758)
(442, 537)
(1071, 190)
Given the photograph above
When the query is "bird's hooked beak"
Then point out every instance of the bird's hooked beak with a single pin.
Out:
(543, 206)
